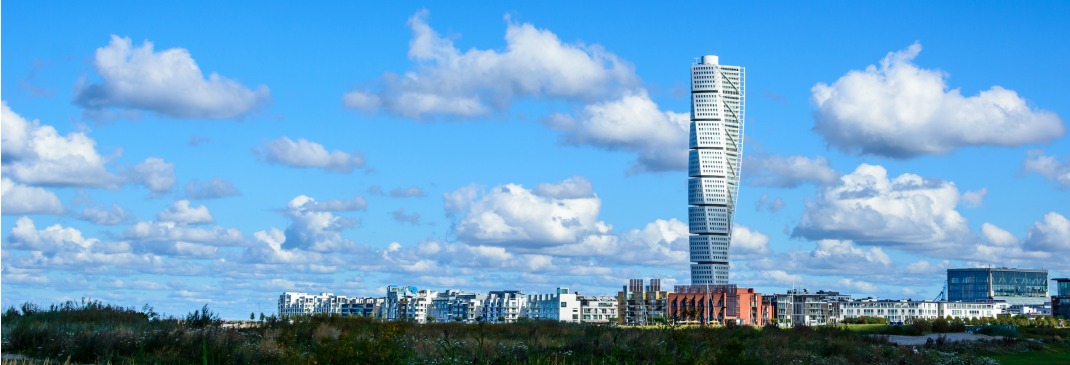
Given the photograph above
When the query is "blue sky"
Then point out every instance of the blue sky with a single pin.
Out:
(183, 154)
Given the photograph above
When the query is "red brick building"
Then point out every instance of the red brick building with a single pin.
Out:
(717, 305)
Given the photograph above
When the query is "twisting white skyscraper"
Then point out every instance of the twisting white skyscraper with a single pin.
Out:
(714, 158)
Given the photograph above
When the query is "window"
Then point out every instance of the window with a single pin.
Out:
(563, 304)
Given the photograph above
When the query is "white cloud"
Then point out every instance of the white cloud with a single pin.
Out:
(780, 277)
(1048, 167)
(315, 228)
(144, 232)
(998, 236)
(748, 243)
(306, 203)
(1051, 235)
(268, 248)
(632, 123)
(458, 200)
(183, 213)
(305, 153)
(55, 238)
(168, 82)
(105, 216)
(154, 173)
(448, 82)
(211, 189)
(513, 215)
(571, 188)
(869, 208)
(36, 154)
(659, 243)
(857, 285)
(900, 110)
(22, 199)
(774, 205)
(974, 199)
(788, 171)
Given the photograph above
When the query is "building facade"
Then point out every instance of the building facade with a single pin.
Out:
(809, 309)
(717, 304)
(1014, 286)
(642, 305)
(601, 309)
(295, 304)
(560, 306)
(1060, 302)
(714, 157)
(906, 311)
(504, 306)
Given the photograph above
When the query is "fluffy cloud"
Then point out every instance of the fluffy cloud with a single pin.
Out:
(211, 189)
(869, 208)
(170, 232)
(154, 173)
(168, 82)
(268, 249)
(774, 205)
(632, 123)
(857, 285)
(183, 213)
(112, 215)
(305, 153)
(513, 215)
(457, 201)
(36, 154)
(660, 243)
(315, 228)
(748, 243)
(56, 238)
(448, 82)
(900, 110)
(21, 199)
(1048, 167)
(974, 199)
(787, 171)
(1051, 235)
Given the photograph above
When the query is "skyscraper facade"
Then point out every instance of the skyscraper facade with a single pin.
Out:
(714, 158)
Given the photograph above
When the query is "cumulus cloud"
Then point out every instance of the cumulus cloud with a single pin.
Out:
(37, 154)
(112, 215)
(571, 188)
(268, 248)
(869, 208)
(857, 285)
(22, 199)
(1048, 167)
(787, 171)
(182, 212)
(171, 232)
(998, 236)
(632, 123)
(457, 201)
(974, 199)
(154, 173)
(168, 82)
(315, 228)
(305, 153)
(55, 238)
(748, 243)
(212, 189)
(1051, 235)
(900, 110)
(450, 83)
(513, 215)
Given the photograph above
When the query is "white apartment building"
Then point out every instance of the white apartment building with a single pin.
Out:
(598, 309)
(294, 303)
(458, 306)
(504, 306)
(714, 165)
(905, 311)
(560, 306)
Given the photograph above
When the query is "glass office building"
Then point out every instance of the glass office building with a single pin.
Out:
(1060, 303)
(1015, 286)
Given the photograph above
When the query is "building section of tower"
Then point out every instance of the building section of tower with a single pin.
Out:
(714, 163)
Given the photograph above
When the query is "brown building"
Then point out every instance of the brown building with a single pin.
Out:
(717, 304)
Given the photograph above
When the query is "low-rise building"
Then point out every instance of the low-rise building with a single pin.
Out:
(598, 309)
(560, 306)
(642, 305)
(295, 303)
(808, 309)
(1060, 302)
(717, 304)
(504, 306)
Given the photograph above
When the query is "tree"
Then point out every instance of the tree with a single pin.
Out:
(261, 317)
(252, 316)
(430, 318)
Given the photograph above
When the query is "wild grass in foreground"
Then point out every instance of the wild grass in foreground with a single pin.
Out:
(91, 332)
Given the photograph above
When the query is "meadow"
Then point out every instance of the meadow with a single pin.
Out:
(92, 332)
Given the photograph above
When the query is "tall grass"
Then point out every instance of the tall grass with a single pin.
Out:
(91, 332)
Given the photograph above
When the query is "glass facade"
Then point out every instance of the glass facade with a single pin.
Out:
(1016, 286)
(1063, 286)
